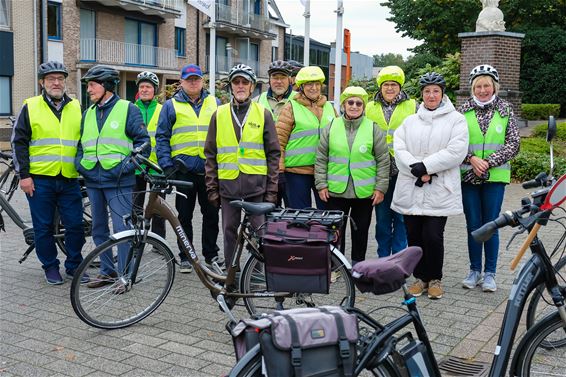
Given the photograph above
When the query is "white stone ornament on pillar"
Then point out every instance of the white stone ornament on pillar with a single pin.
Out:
(491, 17)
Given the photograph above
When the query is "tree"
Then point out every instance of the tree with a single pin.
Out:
(383, 60)
(449, 68)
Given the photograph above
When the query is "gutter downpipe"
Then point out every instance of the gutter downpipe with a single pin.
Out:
(43, 25)
(35, 88)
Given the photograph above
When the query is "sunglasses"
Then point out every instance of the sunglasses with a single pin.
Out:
(355, 103)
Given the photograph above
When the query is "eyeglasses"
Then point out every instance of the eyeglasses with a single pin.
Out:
(51, 79)
(355, 103)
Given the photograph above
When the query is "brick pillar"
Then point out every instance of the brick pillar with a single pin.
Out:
(501, 50)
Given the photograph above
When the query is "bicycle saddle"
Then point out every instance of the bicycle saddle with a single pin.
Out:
(386, 275)
(253, 208)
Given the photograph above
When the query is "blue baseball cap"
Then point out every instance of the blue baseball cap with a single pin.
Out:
(190, 70)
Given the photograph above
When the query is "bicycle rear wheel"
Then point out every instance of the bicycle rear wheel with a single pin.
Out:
(540, 304)
(341, 292)
(121, 302)
(537, 359)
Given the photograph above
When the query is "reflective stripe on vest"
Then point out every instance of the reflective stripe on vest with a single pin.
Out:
(189, 131)
(483, 146)
(374, 111)
(53, 144)
(262, 100)
(109, 146)
(151, 129)
(358, 162)
(304, 139)
(247, 156)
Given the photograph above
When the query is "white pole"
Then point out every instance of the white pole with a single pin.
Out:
(307, 15)
(212, 53)
(338, 65)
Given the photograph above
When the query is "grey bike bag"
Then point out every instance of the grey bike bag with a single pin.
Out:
(297, 256)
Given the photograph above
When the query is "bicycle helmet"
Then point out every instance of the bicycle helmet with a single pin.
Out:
(242, 70)
(354, 91)
(51, 67)
(148, 76)
(432, 78)
(484, 69)
(280, 66)
(104, 75)
(391, 73)
(295, 67)
(309, 74)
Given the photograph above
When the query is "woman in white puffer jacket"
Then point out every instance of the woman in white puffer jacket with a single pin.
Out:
(429, 148)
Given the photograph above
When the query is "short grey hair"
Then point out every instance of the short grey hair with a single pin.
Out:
(496, 85)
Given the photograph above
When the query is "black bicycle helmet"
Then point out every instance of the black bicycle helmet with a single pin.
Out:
(484, 69)
(244, 71)
(51, 67)
(104, 75)
(280, 66)
(432, 78)
(295, 67)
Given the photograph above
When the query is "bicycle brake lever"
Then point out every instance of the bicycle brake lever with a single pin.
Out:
(175, 192)
(521, 230)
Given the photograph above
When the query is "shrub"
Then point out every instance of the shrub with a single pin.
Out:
(540, 131)
(526, 165)
(539, 111)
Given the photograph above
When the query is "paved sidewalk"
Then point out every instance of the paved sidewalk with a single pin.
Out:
(41, 336)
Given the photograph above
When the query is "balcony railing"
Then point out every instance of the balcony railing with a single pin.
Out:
(121, 53)
(160, 8)
(237, 16)
(224, 63)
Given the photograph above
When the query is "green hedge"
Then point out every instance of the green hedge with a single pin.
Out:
(539, 111)
(526, 165)
(540, 131)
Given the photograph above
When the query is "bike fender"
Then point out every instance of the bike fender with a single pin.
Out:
(131, 232)
(342, 258)
(243, 362)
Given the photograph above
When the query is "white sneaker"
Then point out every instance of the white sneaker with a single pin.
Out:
(185, 267)
(488, 284)
(472, 280)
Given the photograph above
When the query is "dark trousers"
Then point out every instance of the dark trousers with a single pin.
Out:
(427, 232)
(360, 211)
(157, 222)
(300, 188)
(231, 217)
(186, 206)
(282, 200)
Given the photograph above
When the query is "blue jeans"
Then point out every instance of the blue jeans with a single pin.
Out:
(482, 203)
(64, 195)
(117, 202)
(390, 230)
(299, 191)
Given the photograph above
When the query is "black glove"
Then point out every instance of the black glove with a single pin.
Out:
(430, 180)
(419, 182)
(418, 169)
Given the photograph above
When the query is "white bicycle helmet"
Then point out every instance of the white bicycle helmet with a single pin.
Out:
(148, 76)
(244, 71)
(484, 69)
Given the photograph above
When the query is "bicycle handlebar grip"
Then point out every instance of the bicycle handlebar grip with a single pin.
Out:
(178, 183)
(537, 182)
(485, 232)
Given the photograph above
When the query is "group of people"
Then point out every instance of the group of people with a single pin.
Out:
(414, 163)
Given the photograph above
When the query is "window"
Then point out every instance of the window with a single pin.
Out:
(4, 13)
(274, 53)
(180, 41)
(88, 35)
(5, 95)
(141, 40)
(257, 6)
(54, 21)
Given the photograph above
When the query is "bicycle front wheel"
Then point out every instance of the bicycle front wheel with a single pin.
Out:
(341, 292)
(535, 357)
(117, 300)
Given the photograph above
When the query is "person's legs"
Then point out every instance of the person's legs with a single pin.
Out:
(383, 231)
(139, 195)
(231, 217)
(491, 200)
(472, 202)
(120, 205)
(210, 220)
(361, 214)
(340, 204)
(399, 232)
(100, 231)
(298, 188)
(185, 208)
(70, 205)
(414, 235)
(158, 223)
(433, 246)
(42, 207)
(282, 200)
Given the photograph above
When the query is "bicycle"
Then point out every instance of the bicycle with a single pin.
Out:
(385, 353)
(149, 268)
(9, 183)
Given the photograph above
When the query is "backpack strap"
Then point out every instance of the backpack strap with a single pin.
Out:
(343, 343)
(296, 351)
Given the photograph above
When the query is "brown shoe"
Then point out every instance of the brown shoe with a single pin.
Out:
(435, 290)
(102, 280)
(418, 287)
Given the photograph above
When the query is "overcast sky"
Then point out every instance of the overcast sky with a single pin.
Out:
(366, 19)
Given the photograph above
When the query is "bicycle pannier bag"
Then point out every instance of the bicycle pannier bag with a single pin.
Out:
(306, 342)
(297, 256)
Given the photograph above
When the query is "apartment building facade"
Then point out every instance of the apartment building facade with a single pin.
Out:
(131, 36)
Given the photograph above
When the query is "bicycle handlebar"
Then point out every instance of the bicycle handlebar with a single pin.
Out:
(540, 180)
(487, 230)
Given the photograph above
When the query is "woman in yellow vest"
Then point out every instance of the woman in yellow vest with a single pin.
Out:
(352, 167)
(494, 141)
(298, 128)
(390, 107)
(148, 84)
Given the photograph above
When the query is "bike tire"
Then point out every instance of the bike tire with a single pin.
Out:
(539, 308)
(533, 357)
(120, 303)
(342, 290)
